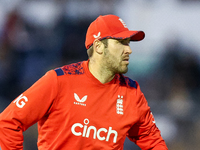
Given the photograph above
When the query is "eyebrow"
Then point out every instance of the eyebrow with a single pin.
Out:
(124, 40)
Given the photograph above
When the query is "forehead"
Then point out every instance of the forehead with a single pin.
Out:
(112, 40)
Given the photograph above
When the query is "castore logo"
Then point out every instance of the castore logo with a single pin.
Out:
(97, 36)
(80, 101)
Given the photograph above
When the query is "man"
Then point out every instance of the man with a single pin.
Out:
(86, 105)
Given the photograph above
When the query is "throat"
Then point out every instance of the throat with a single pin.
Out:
(101, 74)
(105, 79)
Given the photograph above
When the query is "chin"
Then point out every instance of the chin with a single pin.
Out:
(123, 71)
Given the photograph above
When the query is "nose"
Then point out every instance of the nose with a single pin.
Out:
(127, 49)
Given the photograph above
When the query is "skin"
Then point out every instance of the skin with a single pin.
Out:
(108, 61)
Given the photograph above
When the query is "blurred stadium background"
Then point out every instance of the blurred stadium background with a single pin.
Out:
(38, 35)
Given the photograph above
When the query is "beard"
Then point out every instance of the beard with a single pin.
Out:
(123, 70)
(114, 64)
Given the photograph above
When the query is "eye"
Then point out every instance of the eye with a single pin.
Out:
(125, 41)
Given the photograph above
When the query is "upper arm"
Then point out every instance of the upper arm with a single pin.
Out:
(27, 109)
(145, 132)
(33, 104)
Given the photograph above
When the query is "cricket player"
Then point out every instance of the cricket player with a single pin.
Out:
(88, 105)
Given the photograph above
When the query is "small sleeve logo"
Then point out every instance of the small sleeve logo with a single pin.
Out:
(21, 101)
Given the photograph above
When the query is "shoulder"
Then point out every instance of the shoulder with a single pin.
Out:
(71, 69)
(126, 81)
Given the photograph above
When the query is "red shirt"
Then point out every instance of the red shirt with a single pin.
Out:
(75, 111)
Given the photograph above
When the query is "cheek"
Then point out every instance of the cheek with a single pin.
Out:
(119, 51)
(116, 57)
(111, 59)
(114, 54)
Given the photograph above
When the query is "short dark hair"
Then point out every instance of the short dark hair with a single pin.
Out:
(90, 51)
(105, 42)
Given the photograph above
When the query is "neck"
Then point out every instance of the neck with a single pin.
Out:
(100, 72)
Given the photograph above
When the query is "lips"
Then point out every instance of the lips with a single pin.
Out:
(126, 60)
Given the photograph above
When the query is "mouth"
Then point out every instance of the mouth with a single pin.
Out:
(126, 60)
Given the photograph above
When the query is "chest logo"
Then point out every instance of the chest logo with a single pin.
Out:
(119, 105)
(90, 131)
(80, 101)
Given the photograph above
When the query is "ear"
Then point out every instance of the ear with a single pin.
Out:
(98, 46)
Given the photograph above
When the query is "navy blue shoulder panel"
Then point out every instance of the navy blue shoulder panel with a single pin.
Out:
(74, 69)
(124, 81)
(132, 83)
(71, 69)
(59, 72)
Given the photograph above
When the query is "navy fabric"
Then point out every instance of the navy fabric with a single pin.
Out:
(59, 72)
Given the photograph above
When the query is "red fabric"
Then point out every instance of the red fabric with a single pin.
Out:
(75, 111)
(110, 26)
